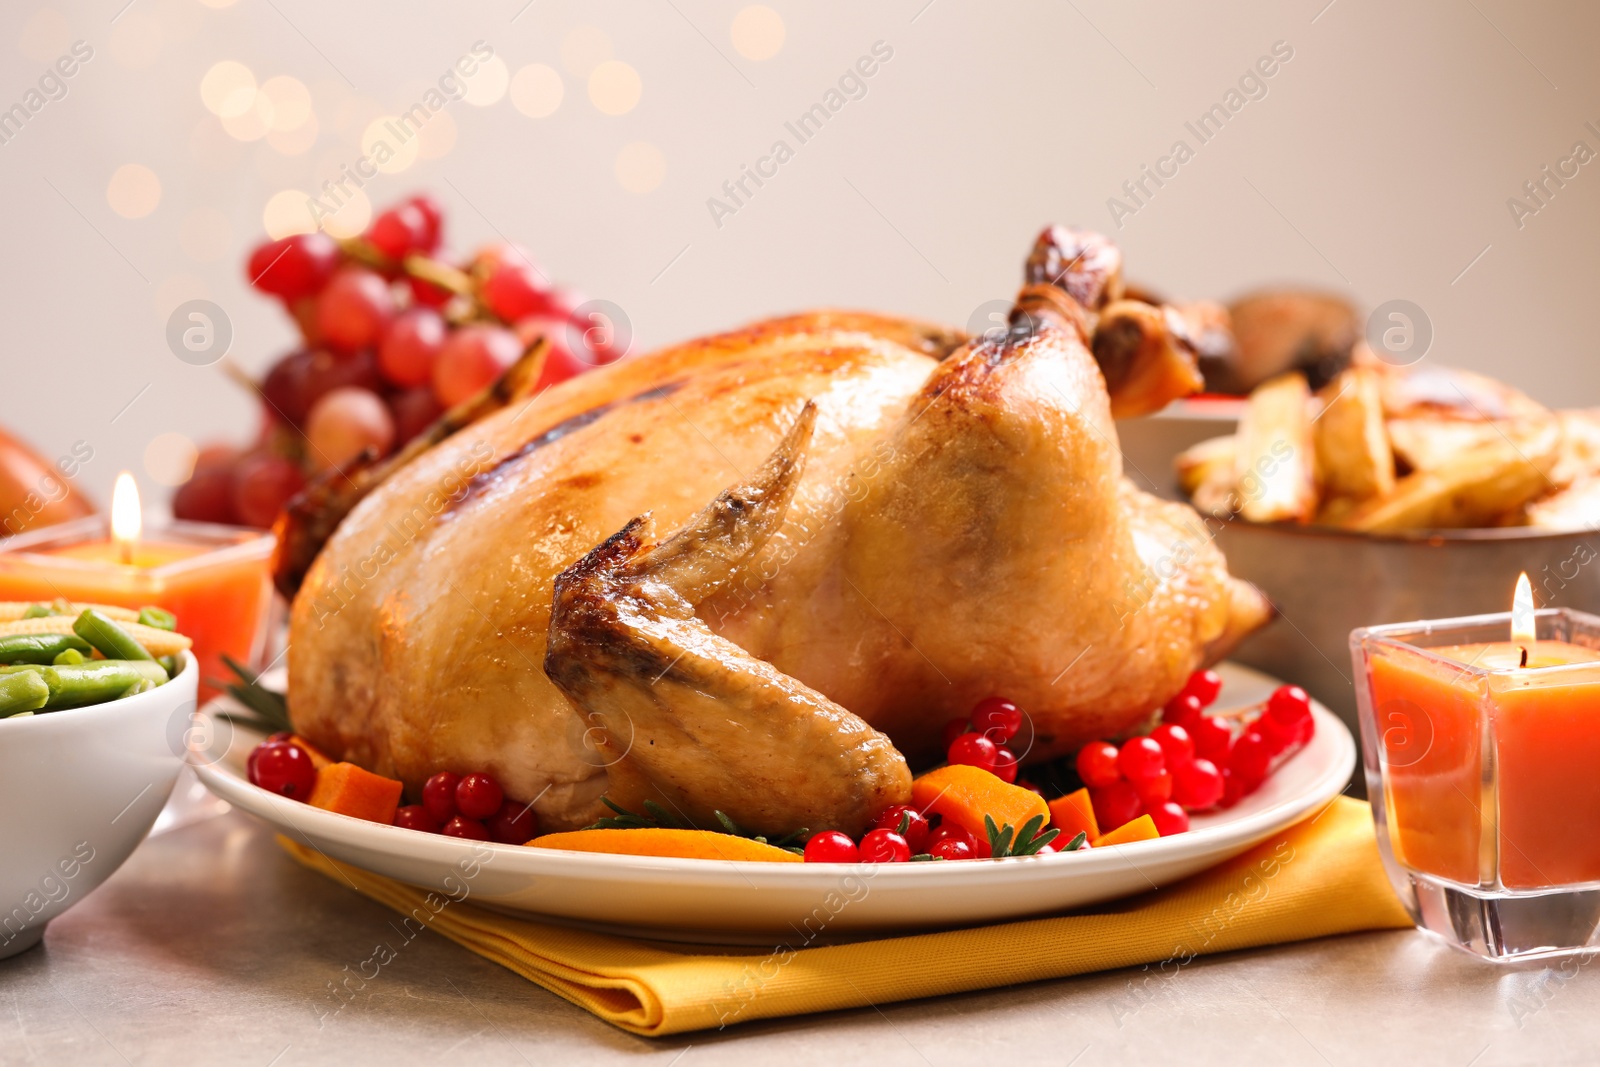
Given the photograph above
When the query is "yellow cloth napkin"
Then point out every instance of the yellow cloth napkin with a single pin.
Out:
(1318, 878)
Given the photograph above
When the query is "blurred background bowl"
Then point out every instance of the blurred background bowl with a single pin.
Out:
(80, 789)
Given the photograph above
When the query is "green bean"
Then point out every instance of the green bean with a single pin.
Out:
(159, 618)
(143, 685)
(70, 658)
(38, 648)
(170, 664)
(22, 692)
(111, 639)
(36, 611)
(16, 667)
(102, 680)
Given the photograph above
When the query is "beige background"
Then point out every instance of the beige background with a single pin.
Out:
(1378, 163)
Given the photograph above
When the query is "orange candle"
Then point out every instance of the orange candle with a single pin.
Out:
(213, 578)
(1490, 755)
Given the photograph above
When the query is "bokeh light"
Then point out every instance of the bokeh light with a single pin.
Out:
(349, 218)
(133, 191)
(228, 88)
(287, 212)
(390, 144)
(169, 458)
(297, 141)
(614, 87)
(640, 167)
(583, 49)
(438, 136)
(253, 123)
(291, 102)
(757, 32)
(536, 90)
(487, 85)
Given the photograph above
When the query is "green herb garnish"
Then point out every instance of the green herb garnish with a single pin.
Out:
(1006, 841)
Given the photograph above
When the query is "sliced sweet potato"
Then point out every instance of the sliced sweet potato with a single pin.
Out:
(1141, 829)
(675, 844)
(351, 790)
(1073, 814)
(964, 795)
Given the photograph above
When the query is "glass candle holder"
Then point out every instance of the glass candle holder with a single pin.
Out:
(1483, 767)
(213, 578)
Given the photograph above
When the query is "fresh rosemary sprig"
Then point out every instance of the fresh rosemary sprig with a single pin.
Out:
(658, 818)
(269, 710)
(1006, 841)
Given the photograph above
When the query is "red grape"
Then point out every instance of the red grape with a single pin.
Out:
(514, 824)
(997, 718)
(471, 829)
(353, 310)
(1198, 786)
(561, 363)
(1140, 758)
(517, 290)
(1169, 818)
(282, 767)
(409, 346)
(1114, 804)
(207, 496)
(416, 817)
(294, 266)
(831, 846)
(263, 483)
(884, 846)
(439, 795)
(917, 828)
(300, 379)
(974, 750)
(491, 258)
(432, 219)
(1097, 764)
(399, 231)
(345, 423)
(479, 796)
(426, 294)
(414, 411)
(471, 358)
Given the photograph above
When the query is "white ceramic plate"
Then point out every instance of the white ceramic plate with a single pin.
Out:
(726, 901)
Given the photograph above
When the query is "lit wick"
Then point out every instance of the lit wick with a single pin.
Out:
(1523, 632)
(126, 521)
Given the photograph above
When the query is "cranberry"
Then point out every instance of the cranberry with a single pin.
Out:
(1197, 786)
(416, 817)
(1140, 758)
(1204, 686)
(1156, 789)
(917, 828)
(439, 795)
(1250, 758)
(954, 729)
(1097, 764)
(952, 848)
(951, 832)
(1005, 764)
(1169, 818)
(884, 846)
(997, 719)
(471, 829)
(284, 768)
(974, 750)
(479, 796)
(1114, 804)
(514, 824)
(1212, 739)
(1182, 710)
(1176, 745)
(831, 846)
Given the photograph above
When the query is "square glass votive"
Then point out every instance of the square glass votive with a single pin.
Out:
(1484, 777)
(215, 579)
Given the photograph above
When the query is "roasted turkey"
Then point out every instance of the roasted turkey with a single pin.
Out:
(757, 573)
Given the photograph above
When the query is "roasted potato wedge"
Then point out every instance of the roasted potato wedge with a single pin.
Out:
(1354, 459)
(1580, 447)
(1275, 466)
(1427, 389)
(1474, 487)
(1577, 507)
(1428, 442)
(1206, 474)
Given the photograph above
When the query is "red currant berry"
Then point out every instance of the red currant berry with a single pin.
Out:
(1234, 788)
(1176, 745)
(416, 817)
(284, 768)
(884, 846)
(974, 750)
(479, 796)
(439, 795)
(1140, 758)
(831, 846)
(1097, 764)
(471, 829)
(1005, 764)
(1213, 739)
(954, 729)
(1250, 758)
(1197, 786)
(1046, 850)
(1306, 730)
(514, 824)
(917, 828)
(1204, 686)
(1289, 704)
(1169, 818)
(997, 719)
(1114, 804)
(1181, 710)
(294, 267)
(1156, 789)
(952, 848)
(1277, 735)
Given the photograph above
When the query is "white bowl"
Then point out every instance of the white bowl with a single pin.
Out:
(80, 788)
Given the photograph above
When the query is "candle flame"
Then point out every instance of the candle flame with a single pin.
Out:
(126, 520)
(1522, 628)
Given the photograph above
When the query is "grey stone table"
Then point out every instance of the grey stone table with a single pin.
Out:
(212, 947)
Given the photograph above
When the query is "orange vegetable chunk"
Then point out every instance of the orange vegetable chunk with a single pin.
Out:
(351, 790)
(319, 759)
(674, 844)
(1141, 829)
(1073, 814)
(964, 795)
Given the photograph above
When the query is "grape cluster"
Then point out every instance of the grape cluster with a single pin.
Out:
(392, 336)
